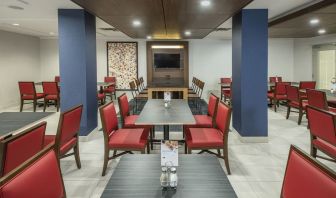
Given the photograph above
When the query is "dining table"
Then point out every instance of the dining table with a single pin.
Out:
(199, 176)
(13, 122)
(177, 112)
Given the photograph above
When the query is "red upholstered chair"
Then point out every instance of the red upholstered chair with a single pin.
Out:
(110, 90)
(66, 137)
(318, 99)
(322, 125)
(307, 177)
(279, 94)
(125, 139)
(139, 88)
(28, 92)
(51, 92)
(101, 98)
(304, 85)
(38, 177)
(205, 121)
(225, 90)
(128, 121)
(275, 79)
(193, 88)
(57, 79)
(212, 138)
(20, 147)
(294, 101)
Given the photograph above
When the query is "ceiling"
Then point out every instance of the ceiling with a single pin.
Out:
(39, 17)
(164, 19)
(297, 24)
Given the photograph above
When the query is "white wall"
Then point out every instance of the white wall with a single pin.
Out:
(303, 55)
(208, 59)
(19, 61)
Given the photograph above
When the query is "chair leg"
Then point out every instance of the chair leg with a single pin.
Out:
(189, 151)
(58, 105)
(78, 162)
(21, 105)
(148, 147)
(106, 156)
(300, 116)
(226, 160)
(151, 138)
(275, 105)
(313, 151)
(219, 152)
(288, 111)
(35, 104)
(45, 105)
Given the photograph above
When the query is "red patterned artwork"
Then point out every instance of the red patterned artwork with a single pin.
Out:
(122, 62)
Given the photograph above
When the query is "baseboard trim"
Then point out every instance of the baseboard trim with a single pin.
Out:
(249, 139)
(90, 136)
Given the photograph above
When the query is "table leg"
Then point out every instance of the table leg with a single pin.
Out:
(101, 90)
(166, 132)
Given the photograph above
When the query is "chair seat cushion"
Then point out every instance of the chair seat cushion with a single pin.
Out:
(129, 121)
(51, 97)
(49, 139)
(109, 89)
(296, 104)
(325, 147)
(204, 138)
(203, 121)
(31, 97)
(332, 109)
(128, 139)
(100, 96)
(278, 97)
(64, 148)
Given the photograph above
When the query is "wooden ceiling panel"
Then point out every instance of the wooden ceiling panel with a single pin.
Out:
(163, 19)
(297, 24)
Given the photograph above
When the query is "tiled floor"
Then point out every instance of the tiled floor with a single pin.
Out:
(257, 168)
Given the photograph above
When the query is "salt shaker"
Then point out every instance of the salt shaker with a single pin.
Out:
(164, 179)
(173, 177)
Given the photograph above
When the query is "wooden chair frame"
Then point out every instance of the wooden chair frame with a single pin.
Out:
(107, 157)
(6, 141)
(34, 99)
(225, 155)
(310, 159)
(301, 109)
(313, 149)
(29, 162)
(58, 140)
(57, 102)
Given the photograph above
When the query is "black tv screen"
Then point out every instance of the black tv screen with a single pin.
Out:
(162, 60)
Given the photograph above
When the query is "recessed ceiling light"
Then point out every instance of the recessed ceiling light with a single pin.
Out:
(136, 23)
(314, 21)
(51, 33)
(322, 31)
(149, 37)
(15, 24)
(187, 33)
(205, 3)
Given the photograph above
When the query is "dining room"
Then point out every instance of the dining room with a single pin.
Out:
(167, 98)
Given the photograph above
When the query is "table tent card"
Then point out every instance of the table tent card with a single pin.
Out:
(169, 153)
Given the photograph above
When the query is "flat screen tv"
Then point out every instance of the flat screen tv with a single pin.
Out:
(164, 60)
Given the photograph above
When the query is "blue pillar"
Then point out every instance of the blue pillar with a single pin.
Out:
(249, 72)
(77, 59)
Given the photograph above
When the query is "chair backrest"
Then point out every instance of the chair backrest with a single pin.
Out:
(109, 119)
(292, 93)
(225, 80)
(111, 79)
(274, 79)
(20, 147)
(57, 79)
(322, 124)
(40, 176)
(133, 88)
(212, 106)
(200, 88)
(27, 88)
(50, 88)
(223, 118)
(123, 106)
(307, 85)
(68, 126)
(280, 88)
(317, 99)
(307, 177)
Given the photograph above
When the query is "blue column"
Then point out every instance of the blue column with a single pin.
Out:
(78, 64)
(249, 72)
